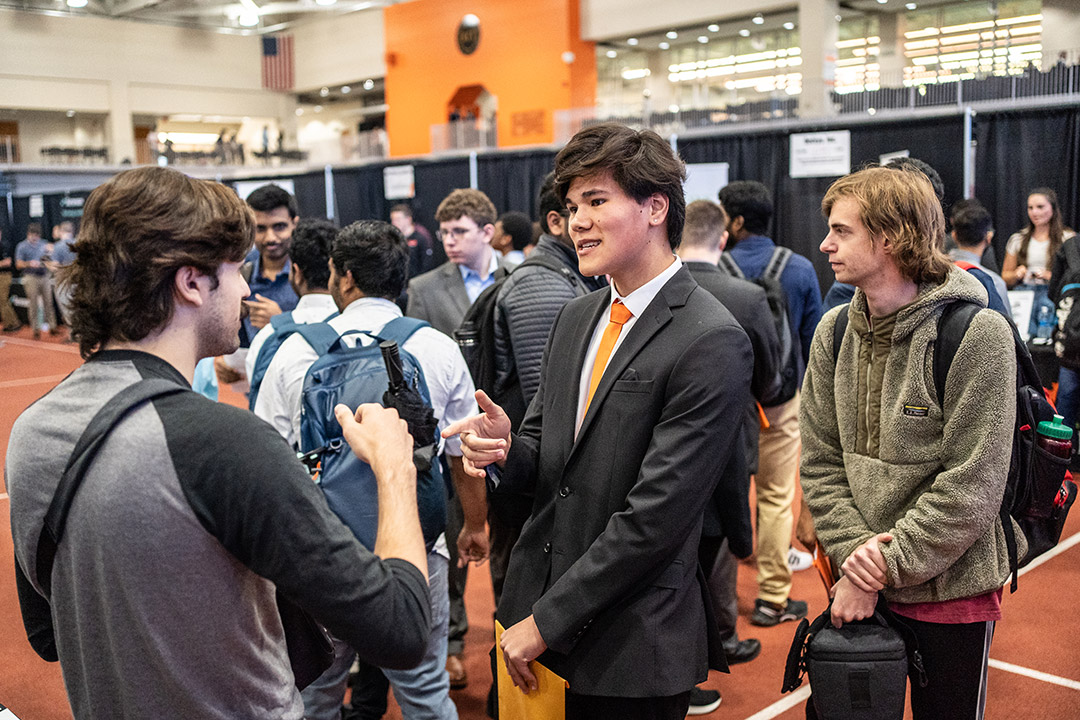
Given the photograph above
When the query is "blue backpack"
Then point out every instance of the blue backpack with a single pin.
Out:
(283, 326)
(353, 376)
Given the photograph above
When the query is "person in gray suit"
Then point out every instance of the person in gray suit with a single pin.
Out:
(442, 297)
(621, 444)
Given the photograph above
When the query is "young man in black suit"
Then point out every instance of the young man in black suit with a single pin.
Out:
(622, 445)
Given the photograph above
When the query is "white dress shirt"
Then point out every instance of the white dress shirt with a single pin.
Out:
(635, 302)
(449, 383)
(311, 308)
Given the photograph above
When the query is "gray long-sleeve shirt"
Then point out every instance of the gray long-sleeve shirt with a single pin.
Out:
(163, 585)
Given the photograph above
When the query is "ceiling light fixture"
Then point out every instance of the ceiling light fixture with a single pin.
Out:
(631, 41)
(665, 45)
(714, 28)
(911, 6)
(789, 25)
(77, 3)
(325, 2)
(325, 92)
(248, 19)
(70, 113)
(369, 84)
(611, 53)
(744, 33)
(671, 35)
(345, 89)
(318, 108)
(759, 19)
(702, 39)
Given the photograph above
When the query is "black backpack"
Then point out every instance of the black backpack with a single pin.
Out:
(1067, 330)
(1038, 493)
(476, 338)
(778, 306)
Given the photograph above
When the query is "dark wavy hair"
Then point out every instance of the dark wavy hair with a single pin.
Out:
(640, 162)
(310, 250)
(376, 254)
(137, 230)
(749, 200)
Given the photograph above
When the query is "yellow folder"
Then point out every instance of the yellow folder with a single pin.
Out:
(546, 702)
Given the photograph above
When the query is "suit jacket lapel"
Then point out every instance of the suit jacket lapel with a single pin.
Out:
(657, 315)
(455, 288)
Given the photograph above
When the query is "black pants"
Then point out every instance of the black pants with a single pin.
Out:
(955, 658)
(596, 707)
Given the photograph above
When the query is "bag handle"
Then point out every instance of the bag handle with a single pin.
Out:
(86, 449)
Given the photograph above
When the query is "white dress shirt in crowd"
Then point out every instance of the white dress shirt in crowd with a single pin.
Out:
(311, 308)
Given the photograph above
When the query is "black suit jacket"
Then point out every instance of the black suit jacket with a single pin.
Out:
(607, 562)
(728, 515)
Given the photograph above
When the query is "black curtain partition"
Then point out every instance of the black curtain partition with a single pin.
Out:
(359, 194)
(797, 221)
(1020, 151)
(310, 192)
(513, 180)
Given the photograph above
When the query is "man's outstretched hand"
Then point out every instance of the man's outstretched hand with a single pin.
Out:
(485, 438)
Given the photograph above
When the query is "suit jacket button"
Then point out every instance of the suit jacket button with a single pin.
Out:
(564, 492)
(547, 547)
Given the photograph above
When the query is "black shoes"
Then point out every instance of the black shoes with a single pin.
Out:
(766, 614)
(703, 702)
(742, 651)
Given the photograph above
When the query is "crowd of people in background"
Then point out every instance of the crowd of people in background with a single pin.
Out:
(651, 362)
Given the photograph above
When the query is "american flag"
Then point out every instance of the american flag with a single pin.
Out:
(277, 62)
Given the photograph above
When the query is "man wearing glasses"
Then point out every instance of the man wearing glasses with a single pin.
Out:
(442, 297)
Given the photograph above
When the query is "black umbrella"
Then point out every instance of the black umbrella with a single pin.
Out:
(411, 407)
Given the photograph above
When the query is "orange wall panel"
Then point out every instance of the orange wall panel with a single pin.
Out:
(519, 60)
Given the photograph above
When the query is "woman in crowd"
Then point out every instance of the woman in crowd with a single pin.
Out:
(1028, 253)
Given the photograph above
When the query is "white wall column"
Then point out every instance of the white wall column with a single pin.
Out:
(818, 30)
(121, 127)
(891, 28)
(1060, 31)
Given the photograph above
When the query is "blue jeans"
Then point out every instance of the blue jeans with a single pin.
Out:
(422, 692)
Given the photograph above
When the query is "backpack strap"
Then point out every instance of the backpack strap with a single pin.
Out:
(777, 263)
(732, 268)
(86, 449)
(952, 325)
(281, 319)
(401, 329)
(541, 260)
(320, 336)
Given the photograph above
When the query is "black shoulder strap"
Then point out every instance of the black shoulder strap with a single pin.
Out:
(246, 270)
(86, 449)
(731, 266)
(777, 263)
(1072, 252)
(952, 325)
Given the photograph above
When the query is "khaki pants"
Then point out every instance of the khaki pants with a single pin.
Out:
(39, 290)
(778, 468)
(7, 313)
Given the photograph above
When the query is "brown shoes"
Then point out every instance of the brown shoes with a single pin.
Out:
(455, 668)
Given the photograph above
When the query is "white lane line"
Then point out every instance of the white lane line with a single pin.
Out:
(781, 706)
(1051, 553)
(1035, 674)
(32, 381)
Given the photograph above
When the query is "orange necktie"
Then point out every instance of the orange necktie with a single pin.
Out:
(619, 317)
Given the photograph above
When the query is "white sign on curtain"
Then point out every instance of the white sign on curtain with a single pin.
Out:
(820, 154)
(704, 180)
(399, 182)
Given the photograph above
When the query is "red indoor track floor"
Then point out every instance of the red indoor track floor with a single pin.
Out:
(1035, 659)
